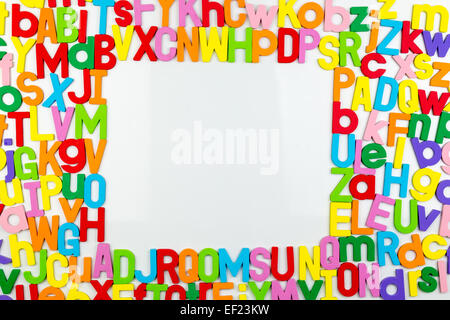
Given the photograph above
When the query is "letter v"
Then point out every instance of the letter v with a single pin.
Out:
(62, 127)
(424, 220)
(7, 284)
(310, 294)
(94, 159)
(71, 213)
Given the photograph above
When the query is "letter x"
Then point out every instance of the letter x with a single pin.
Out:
(58, 89)
(405, 67)
(145, 43)
(102, 290)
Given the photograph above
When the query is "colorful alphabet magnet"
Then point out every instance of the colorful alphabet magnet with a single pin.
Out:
(389, 212)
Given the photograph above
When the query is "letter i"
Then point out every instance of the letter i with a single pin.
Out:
(83, 26)
(398, 158)
(11, 173)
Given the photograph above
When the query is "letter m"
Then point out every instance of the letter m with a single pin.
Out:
(430, 15)
(83, 118)
(242, 261)
(356, 244)
(43, 58)
(290, 293)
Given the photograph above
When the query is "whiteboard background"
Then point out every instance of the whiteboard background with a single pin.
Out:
(153, 203)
